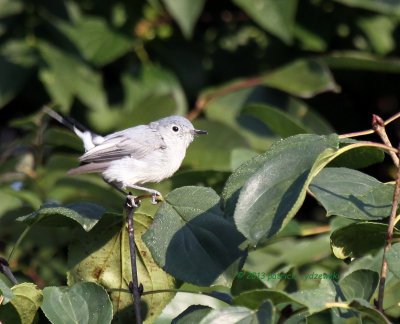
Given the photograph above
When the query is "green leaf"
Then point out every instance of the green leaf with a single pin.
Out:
(5, 292)
(254, 298)
(303, 78)
(240, 156)
(357, 158)
(66, 76)
(358, 239)
(238, 314)
(16, 66)
(359, 284)
(352, 60)
(24, 306)
(192, 314)
(191, 239)
(386, 6)
(84, 302)
(272, 195)
(276, 17)
(379, 30)
(368, 310)
(353, 194)
(278, 121)
(186, 13)
(98, 41)
(10, 7)
(213, 151)
(393, 258)
(103, 256)
(85, 213)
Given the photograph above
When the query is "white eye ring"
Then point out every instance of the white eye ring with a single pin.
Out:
(175, 128)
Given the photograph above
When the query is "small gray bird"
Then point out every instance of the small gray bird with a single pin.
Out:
(136, 155)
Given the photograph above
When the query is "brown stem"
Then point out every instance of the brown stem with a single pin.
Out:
(369, 131)
(133, 285)
(378, 125)
(389, 238)
(202, 101)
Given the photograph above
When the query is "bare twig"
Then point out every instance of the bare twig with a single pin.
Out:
(135, 289)
(202, 101)
(369, 131)
(389, 238)
(378, 125)
(5, 268)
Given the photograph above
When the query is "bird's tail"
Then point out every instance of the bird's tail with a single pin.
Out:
(89, 138)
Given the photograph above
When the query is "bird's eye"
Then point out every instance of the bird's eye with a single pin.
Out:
(175, 128)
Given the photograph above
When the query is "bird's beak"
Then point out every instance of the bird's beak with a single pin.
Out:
(199, 132)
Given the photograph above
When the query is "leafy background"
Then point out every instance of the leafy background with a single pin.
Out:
(248, 71)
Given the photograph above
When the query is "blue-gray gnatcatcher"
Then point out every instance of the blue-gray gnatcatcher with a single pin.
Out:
(136, 155)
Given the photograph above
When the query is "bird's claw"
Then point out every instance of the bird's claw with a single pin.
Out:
(156, 198)
(131, 201)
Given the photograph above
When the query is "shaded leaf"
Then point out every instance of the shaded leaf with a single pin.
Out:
(84, 302)
(385, 7)
(24, 306)
(254, 298)
(393, 258)
(276, 17)
(353, 194)
(304, 78)
(352, 60)
(237, 314)
(213, 151)
(5, 292)
(16, 66)
(103, 256)
(278, 121)
(85, 213)
(192, 314)
(358, 239)
(191, 239)
(186, 13)
(98, 41)
(359, 284)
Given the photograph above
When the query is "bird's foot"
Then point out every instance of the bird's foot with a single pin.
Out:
(156, 197)
(131, 201)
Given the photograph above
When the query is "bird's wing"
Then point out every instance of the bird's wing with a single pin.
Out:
(137, 142)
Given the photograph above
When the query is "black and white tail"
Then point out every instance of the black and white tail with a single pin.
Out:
(88, 138)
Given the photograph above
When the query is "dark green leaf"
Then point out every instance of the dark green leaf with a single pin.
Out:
(349, 193)
(368, 310)
(386, 6)
(351, 60)
(393, 259)
(276, 17)
(213, 151)
(85, 213)
(16, 62)
(358, 239)
(254, 298)
(192, 314)
(191, 239)
(278, 121)
(96, 39)
(359, 284)
(185, 12)
(304, 78)
(273, 194)
(84, 302)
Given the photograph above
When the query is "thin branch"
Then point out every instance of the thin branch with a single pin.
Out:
(378, 125)
(135, 289)
(389, 237)
(5, 268)
(202, 101)
(369, 131)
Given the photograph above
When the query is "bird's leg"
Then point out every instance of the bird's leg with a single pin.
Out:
(154, 193)
(128, 196)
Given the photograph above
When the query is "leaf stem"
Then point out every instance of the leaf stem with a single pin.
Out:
(378, 125)
(389, 237)
(135, 289)
(17, 244)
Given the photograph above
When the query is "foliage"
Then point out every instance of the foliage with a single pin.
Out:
(241, 235)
